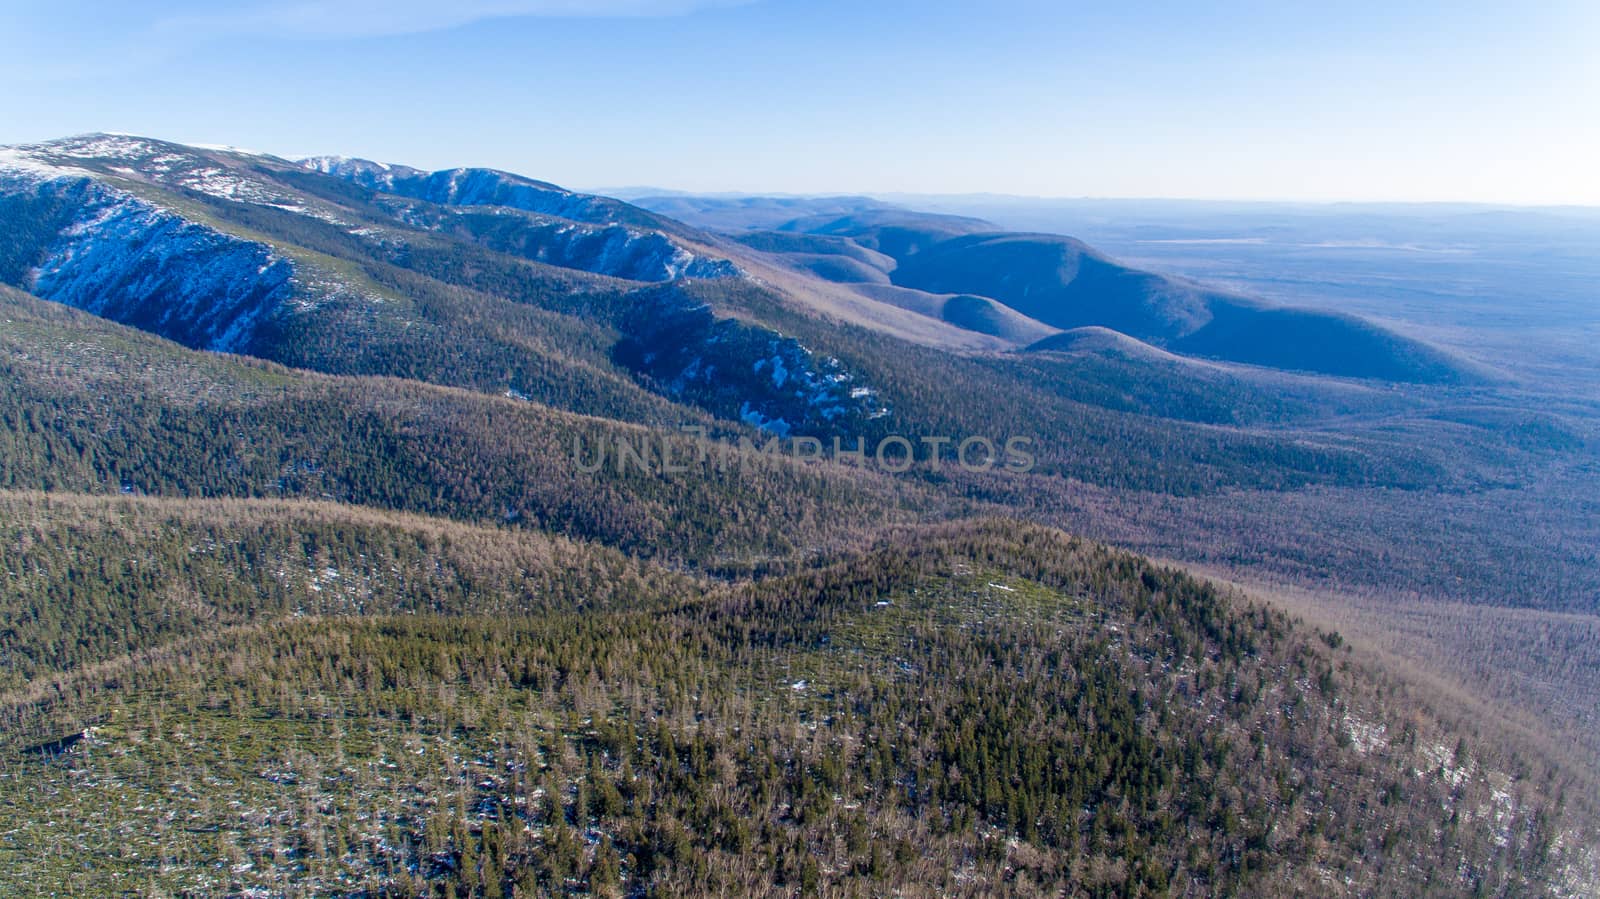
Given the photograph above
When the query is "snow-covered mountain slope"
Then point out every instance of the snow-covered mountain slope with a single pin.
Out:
(488, 187)
(99, 248)
(556, 226)
(744, 372)
(232, 251)
(238, 176)
(616, 250)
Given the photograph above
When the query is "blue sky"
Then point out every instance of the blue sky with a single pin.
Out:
(1353, 101)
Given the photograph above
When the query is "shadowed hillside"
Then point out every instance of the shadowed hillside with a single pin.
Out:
(1065, 284)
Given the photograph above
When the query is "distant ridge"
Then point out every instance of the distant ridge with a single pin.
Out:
(734, 214)
(1066, 284)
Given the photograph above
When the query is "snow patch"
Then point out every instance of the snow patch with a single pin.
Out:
(21, 161)
(134, 262)
(103, 146)
(753, 417)
(1364, 736)
(225, 148)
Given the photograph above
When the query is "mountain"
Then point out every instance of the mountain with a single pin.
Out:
(1064, 284)
(94, 407)
(232, 252)
(487, 187)
(312, 270)
(1059, 283)
(378, 531)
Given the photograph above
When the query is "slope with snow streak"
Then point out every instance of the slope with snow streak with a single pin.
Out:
(98, 248)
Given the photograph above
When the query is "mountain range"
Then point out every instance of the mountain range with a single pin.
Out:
(297, 504)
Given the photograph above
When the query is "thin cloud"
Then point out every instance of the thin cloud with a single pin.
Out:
(378, 18)
(50, 49)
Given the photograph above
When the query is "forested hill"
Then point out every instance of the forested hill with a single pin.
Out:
(979, 708)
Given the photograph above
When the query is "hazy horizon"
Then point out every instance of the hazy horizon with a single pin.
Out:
(625, 192)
